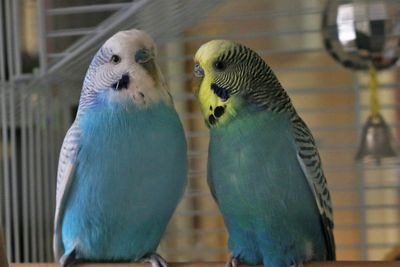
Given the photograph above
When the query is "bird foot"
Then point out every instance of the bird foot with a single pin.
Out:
(68, 259)
(232, 262)
(155, 260)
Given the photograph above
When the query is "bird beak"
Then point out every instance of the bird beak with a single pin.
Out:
(122, 83)
(198, 71)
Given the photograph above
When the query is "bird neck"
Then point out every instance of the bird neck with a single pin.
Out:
(250, 123)
(267, 93)
(110, 118)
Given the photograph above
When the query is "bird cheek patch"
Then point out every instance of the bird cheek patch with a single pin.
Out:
(221, 92)
(139, 98)
(212, 120)
(216, 114)
(219, 111)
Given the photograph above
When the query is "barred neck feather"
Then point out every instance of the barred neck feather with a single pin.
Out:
(236, 77)
(88, 90)
(133, 77)
(263, 88)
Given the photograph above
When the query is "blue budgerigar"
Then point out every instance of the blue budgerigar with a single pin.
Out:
(264, 169)
(122, 167)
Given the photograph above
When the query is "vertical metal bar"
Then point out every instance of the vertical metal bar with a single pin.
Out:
(2, 55)
(14, 178)
(17, 37)
(2, 178)
(6, 172)
(16, 57)
(24, 178)
(32, 189)
(9, 177)
(46, 179)
(39, 183)
(2, 85)
(360, 172)
(7, 200)
(42, 47)
(9, 39)
(53, 154)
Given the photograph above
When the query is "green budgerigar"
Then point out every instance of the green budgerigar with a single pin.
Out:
(264, 169)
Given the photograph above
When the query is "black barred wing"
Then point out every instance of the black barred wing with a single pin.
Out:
(310, 163)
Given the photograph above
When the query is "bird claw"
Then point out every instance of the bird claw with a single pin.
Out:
(68, 259)
(232, 262)
(155, 260)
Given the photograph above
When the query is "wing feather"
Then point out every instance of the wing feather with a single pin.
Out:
(210, 179)
(310, 163)
(65, 173)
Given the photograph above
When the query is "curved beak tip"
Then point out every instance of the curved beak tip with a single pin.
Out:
(198, 71)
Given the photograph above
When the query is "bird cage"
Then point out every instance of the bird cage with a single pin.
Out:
(46, 46)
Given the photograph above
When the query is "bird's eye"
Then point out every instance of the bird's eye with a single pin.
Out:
(143, 55)
(115, 59)
(219, 65)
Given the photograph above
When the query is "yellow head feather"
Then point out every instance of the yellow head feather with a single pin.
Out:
(234, 79)
(211, 105)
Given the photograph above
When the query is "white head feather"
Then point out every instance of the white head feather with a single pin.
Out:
(146, 84)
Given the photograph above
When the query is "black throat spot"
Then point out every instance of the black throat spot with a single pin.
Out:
(220, 91)
(212, 120)
(123, 83)
(217, 113)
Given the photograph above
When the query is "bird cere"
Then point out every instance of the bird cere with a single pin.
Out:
(264, 170)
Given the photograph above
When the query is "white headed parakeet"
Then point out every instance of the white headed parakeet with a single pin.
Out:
(122, 167)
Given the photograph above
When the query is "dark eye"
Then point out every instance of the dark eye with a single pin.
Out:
(115, 59)
(219, 65)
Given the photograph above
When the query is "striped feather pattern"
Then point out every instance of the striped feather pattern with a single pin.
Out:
(91, 84)
(255, 81)
(310, 162)
(66, 167)
(248, 76)
(268, 94)
(99, 78)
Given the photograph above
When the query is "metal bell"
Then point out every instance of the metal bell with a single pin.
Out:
(376, 140)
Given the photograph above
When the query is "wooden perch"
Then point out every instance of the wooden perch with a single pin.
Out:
(220, 264)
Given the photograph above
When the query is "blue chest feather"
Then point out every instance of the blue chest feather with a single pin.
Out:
(262, 192)
(130, 174)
